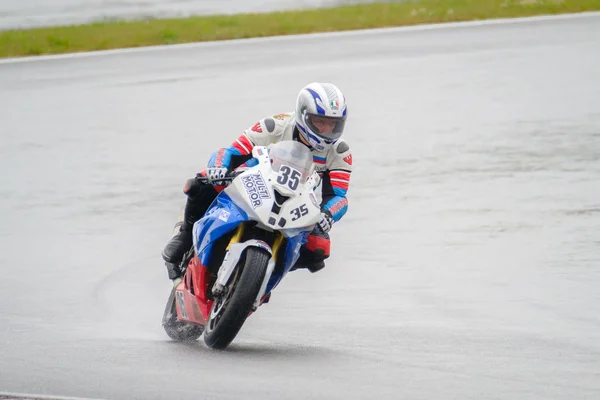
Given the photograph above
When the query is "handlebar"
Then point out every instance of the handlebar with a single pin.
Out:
(220, 182)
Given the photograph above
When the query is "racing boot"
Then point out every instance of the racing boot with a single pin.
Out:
(200, 196)
(179, 244)
(313, 263)
(318, 262)
(314, 252)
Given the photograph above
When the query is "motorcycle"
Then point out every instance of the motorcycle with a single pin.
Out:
(244, 245)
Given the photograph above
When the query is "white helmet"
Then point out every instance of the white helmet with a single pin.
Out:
(320, 114)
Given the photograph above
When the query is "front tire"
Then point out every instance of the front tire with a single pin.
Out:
(229, 312)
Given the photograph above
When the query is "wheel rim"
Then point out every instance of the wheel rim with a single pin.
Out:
(220, 304)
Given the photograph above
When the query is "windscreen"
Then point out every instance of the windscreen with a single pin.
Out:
(291, 159)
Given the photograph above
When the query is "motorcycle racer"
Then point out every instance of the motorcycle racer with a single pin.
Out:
(318, 122)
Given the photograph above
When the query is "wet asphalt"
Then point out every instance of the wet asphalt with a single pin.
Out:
(467, 266)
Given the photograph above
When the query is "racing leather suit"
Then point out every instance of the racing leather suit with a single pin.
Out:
(334, 166)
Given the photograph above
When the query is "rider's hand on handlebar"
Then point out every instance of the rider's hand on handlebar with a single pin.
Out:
(215, 174)
(326, 222)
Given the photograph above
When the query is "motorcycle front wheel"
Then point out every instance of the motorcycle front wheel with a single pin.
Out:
(230, 310)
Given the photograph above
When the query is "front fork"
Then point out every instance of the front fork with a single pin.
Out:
(235, 249)
(239, 233)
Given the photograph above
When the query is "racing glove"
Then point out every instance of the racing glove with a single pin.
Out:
(326, 222)
(215, 174)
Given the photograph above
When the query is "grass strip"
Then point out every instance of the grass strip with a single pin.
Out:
(125, 34)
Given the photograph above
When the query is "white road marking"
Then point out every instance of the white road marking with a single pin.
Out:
(23, 396)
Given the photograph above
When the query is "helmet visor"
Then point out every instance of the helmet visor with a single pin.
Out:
(327, 128)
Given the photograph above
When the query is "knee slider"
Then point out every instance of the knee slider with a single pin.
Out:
(318, 245)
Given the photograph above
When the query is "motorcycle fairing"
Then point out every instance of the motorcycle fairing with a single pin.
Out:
(221, 218)
(193, 307)
(291, 254)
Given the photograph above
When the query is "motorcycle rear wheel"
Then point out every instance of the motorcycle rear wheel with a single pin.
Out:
(229, 312)
(177, 330)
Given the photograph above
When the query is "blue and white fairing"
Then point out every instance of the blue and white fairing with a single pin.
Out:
(278, 194)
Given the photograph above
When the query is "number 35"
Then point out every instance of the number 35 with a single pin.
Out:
(299, 212)
(289, 177)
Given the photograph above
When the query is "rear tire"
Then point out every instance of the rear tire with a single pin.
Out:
(229, 312)
(177, 330)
